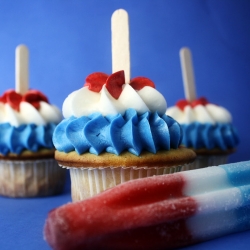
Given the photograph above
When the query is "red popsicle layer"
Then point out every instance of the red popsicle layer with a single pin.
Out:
(148, 213)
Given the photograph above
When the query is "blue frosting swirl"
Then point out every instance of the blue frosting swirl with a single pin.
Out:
(30, 137)
(209, 136)
(116, 133)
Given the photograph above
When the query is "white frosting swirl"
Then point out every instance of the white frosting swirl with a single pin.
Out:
(209, 113)
(29, 114)
(84, 102)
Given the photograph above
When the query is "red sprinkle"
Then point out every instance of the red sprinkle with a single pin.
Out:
(201, 101)
(183, 103)
(140, 82)
(14, 99)
(114, 83)
(34, 97)
(95, 81)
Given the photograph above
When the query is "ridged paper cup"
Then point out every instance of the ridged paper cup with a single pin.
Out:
(87, 182)
(31, 178)
(92, 174)
(203, 161)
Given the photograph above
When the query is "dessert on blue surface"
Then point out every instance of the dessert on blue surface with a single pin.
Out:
(207, 129)
(159, 212)
(114, 132)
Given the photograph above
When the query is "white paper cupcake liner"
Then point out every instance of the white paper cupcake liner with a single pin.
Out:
(203, 161)
(31, 178)
(87, 182)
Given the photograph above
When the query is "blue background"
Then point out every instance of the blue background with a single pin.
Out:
(68, 40)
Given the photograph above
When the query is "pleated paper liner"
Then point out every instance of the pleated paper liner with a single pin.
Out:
(203, 161)
(207, 158)
(87, 182)
(31, 178)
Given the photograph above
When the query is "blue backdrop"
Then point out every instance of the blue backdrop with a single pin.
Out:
(70, 39)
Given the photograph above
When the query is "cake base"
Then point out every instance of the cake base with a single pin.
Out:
(42, 153)
(163, 158)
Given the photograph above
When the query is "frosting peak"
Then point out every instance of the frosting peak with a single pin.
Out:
(14, 99)
(205, 125)
(32, 107)
(200, 111)
(107, 114)
(110, 95)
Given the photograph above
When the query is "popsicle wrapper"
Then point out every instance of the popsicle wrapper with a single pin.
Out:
(160, 212)
(31, 178)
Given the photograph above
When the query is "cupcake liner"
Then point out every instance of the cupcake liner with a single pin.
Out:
(87, 182)
(203, 161)
(31, 178)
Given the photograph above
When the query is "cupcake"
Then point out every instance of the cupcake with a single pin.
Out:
(115, 132)
(27, 165)
(207, 129)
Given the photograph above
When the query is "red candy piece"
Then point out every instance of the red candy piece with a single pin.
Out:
(95, 81)
(3, 97)
(12, 98)
(114, 83)
(139, 82)
(201, 101)
(34, 97)
(147, 213)
(182, 104)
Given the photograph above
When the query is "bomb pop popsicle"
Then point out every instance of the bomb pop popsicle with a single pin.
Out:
(160, 212)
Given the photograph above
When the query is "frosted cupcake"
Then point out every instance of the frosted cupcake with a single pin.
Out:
(207, 129)
(115, 132)
(27, 165)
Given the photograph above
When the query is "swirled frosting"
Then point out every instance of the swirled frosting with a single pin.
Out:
(115, 133)
(109, 115)
(26, 122)
(199, 112)
(30, 137)
(205, 125)
(209, 136)
(33, 107)
(112, 100)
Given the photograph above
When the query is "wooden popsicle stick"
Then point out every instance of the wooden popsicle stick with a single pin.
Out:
(120, 43)
(187, 74)
(22, 69)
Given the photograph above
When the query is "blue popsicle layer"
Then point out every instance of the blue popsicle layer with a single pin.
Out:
(238, 173)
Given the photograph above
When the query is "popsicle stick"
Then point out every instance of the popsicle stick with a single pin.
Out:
(22, 69)
(120, 43)
(187, 74)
